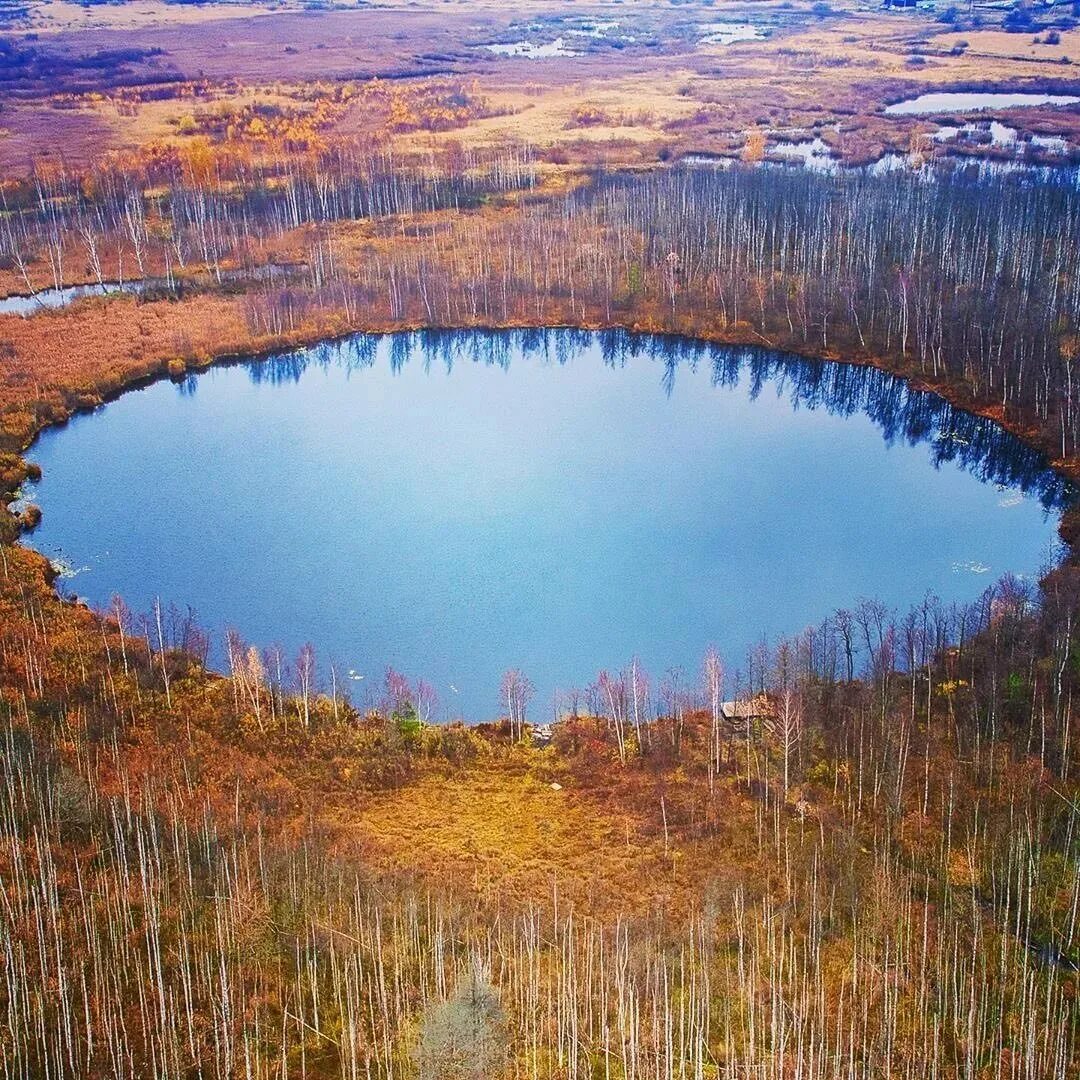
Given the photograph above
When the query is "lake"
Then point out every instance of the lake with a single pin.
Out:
(456, 504)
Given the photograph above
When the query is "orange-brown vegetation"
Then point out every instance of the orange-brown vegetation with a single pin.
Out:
(659, 91)
(236, 872)
(209, 840)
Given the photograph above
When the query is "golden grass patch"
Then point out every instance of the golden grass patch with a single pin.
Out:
(1027, 46)
(505, 832)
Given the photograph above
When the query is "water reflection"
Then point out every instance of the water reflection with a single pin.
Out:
(978, 444)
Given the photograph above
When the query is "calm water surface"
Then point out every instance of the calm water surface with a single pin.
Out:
(958, 101)
(47, 299)
(454, 505)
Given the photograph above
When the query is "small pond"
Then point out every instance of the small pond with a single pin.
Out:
(721, 33)
(455, 505)
(946, 101)
(814, 154)
(530, 50)
(46, 299)
(51, 298)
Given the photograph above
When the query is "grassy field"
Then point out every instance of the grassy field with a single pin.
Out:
(648, 84)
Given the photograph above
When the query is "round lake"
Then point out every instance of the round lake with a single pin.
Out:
(457, 504)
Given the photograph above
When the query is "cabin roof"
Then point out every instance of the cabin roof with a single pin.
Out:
(542, 734)
(758, 707)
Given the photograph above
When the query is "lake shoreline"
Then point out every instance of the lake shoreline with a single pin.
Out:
(13, 475)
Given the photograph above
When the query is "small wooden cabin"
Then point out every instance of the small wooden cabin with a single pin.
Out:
(757, 709)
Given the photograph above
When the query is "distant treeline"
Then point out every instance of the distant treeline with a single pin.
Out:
(25, 66)
(973, 282)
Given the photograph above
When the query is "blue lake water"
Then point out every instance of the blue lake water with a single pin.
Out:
(454, 505)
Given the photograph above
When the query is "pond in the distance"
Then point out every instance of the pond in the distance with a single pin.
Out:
(961, 101)
(454, 505)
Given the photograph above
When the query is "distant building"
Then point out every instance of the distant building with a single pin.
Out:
(757, 708)
(541, 735)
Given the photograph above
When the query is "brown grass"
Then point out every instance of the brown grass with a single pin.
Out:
(509, 832)
(30, 132)
(998, 44)
(836, 72)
